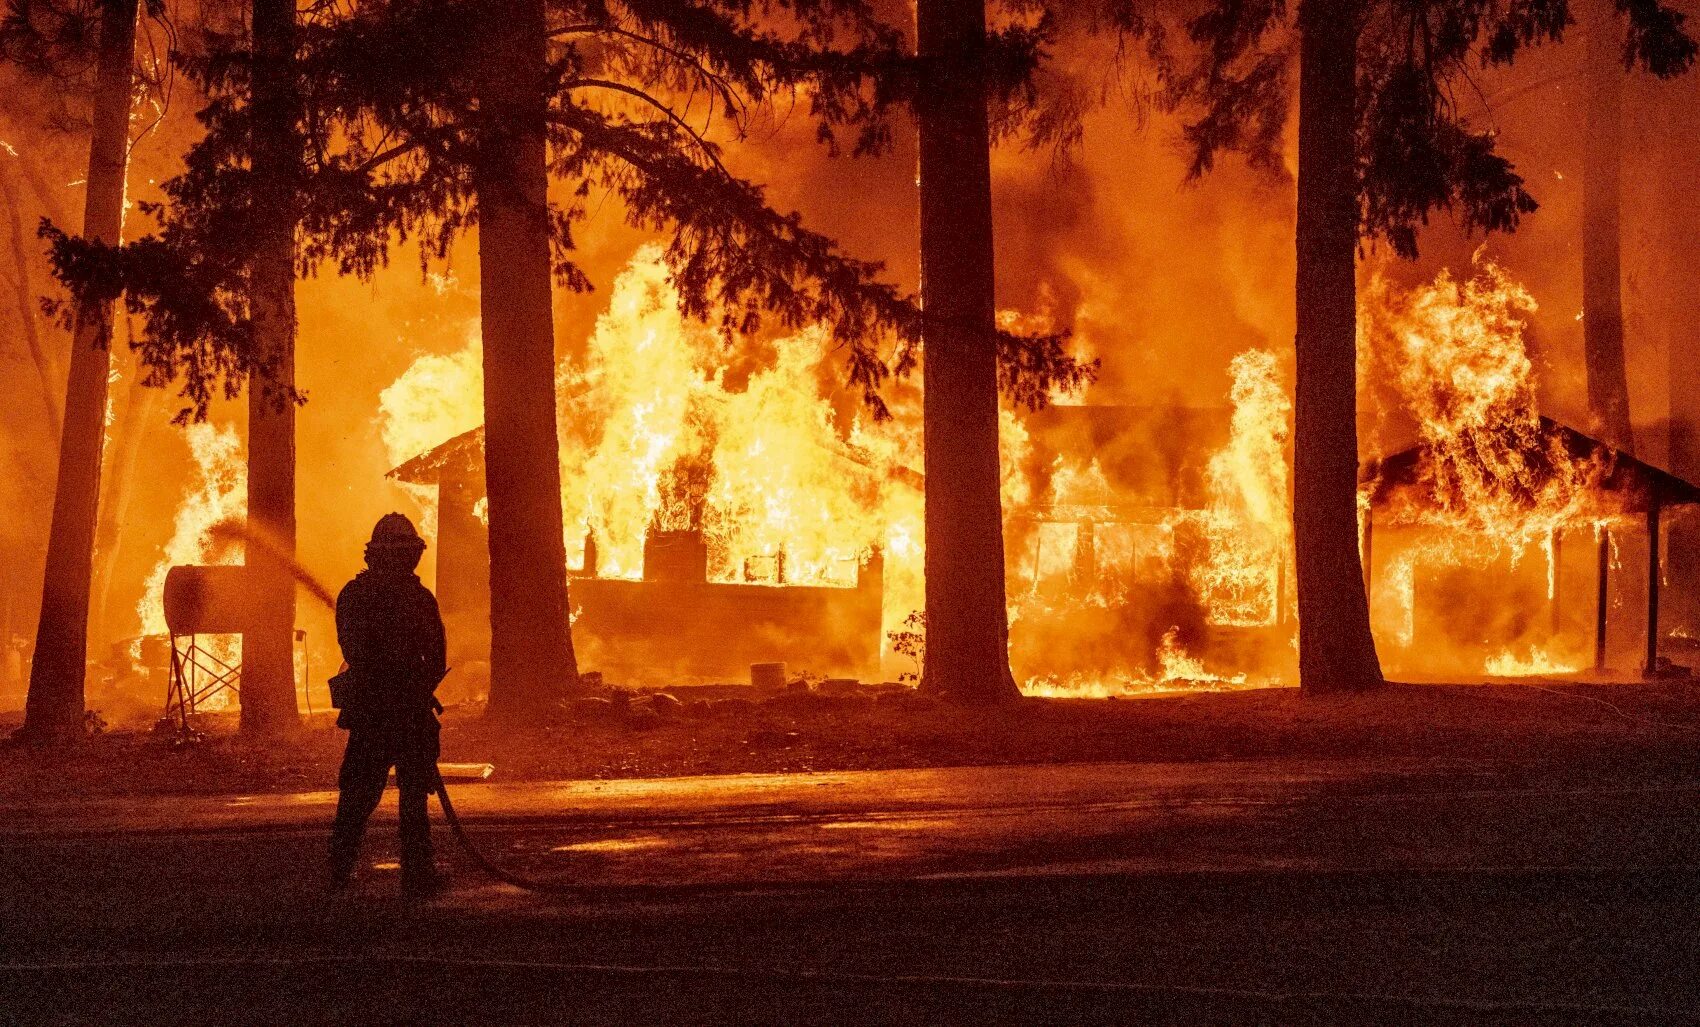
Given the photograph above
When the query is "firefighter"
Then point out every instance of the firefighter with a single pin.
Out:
(392, 641)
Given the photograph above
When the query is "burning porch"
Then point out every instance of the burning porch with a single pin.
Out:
(1527, 545)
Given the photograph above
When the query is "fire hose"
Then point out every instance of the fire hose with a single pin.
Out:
(233, 530)
(482, 861)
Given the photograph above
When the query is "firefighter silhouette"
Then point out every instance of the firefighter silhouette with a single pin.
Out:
(391, 636)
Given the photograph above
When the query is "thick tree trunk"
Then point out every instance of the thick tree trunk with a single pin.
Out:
(1336, 650)
(46, 368)
(54, 708)
(268, 647)
(1602, 271)
(531, 652)
(967, 653)
(1678, 236)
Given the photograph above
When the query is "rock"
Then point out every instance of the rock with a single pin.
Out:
(840, 686)
(731, 707)
(660, 704)
(800, 686)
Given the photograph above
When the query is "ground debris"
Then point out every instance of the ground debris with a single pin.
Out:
(726, 730)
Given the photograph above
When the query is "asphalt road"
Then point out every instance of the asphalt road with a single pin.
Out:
(1196, 893)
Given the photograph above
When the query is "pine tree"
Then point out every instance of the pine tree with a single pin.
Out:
(1381, 147)
(967, 652)
(55, 704)
(414, 132)
(531, 650)
(1602, 261)
(268, 646)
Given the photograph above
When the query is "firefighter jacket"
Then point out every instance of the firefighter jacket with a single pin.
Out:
(392, 639)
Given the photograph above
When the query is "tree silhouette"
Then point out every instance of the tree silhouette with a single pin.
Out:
(268, 646)
(58, 38)
(967, 622)
(1382, 147)
(421, 120)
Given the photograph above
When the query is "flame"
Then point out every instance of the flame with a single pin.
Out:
(1491, 485)
(218, 493)
(1248, 524)
(1462, 370)
(657, 434)
(435, 399)
(1177, 671)
(1538, 663)
(664, 427)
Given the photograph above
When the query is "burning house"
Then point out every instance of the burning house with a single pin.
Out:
(1502, 542)
(1527, 519)
(687, 615)
(1133, 550)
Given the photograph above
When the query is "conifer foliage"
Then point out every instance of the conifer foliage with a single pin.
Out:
(398, 100)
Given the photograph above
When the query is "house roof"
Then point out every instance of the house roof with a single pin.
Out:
(1634, 482)
(427, 467)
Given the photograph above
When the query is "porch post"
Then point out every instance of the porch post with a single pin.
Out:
(1604, 547)
(1652, 665)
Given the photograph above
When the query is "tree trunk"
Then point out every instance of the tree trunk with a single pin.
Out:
(1678, 235)
(967, 653)
(1336, 650)
(531, 651)
(1602, 272)
(46, 368)
(268, 647)
(54, 708)
(140, 409)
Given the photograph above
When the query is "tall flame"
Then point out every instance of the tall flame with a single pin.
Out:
(218, 493)
(1492, 486)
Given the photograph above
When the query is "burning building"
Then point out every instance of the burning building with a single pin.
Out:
(673, 621)
(717, 519)
(1529, 613)
(1470, 535)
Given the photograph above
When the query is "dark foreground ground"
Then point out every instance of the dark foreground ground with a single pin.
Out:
(1462, 856)
(1273, 891)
